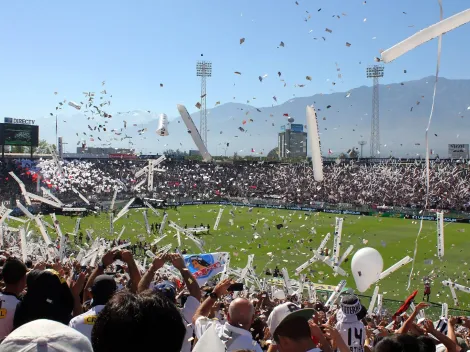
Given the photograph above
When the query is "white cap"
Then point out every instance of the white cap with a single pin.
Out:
(45, 335)
(287, 311)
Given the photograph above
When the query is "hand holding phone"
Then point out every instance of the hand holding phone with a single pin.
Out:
(238, 286)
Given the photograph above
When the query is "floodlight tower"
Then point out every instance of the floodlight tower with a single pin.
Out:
(375, 72)
(362, 144)
(203, 70)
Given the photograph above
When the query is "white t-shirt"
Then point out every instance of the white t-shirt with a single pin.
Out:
(187, 312)
(84, 322)
(353, 334)
(234, 338)
(8, 303)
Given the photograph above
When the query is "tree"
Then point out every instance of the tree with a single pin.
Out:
(43, 147)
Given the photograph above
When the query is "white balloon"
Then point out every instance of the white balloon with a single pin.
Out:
(162, 129)
(279, 294)
(366, 266)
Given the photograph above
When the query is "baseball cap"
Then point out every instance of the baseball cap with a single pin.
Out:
(45, 336)
(285, 312)
(168, 289)
(103, 288)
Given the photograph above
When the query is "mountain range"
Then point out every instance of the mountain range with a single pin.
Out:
(344, 119)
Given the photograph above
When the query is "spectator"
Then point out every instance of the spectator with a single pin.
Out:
(138, 322)
(45, 335)
(235, 333)
(169, 290)
(14, 276)
(102, 290)
(349, 322)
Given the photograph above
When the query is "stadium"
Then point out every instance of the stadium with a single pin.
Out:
(298, 193)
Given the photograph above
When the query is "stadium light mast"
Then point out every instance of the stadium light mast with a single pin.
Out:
(362, 144)
(375, 72)
(203, 70)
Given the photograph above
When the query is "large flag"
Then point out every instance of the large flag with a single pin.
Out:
(205, 266)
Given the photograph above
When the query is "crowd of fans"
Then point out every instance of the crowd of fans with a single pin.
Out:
(382, 184)
(119, 306)
(49, 300)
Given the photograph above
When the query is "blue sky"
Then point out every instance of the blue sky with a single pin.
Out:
(72, 46)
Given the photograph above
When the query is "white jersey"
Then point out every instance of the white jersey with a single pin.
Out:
(84, 322)
(8, 303)
(187, 312)
(353, 334)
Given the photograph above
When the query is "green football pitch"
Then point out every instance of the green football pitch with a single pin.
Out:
(254, 232)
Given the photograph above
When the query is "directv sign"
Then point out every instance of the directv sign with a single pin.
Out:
(20, 121)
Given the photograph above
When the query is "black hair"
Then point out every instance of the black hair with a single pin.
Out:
(296, 328)
(398, 343)
(14, 270)
(141, 320)
(46, 298)
(427, 344)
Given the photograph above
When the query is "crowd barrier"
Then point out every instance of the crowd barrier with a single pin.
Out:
(322, 210)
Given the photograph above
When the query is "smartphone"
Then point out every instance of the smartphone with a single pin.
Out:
(459, 321)
(238, 286)
(83, 268)
(118, 256)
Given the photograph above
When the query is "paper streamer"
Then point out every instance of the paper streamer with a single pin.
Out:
(44, 200)
(445, 311)
(454, 295)
(287, 284)
(380, 298)
(312, 293)
(2, 227)
(150, 175)
(23, 244)
(301, 287)
(194, 132)
(426, 35)
(394, 268)
(4, 213)
(336, 293)
(14, 218)
(147, 226)
(43, 231)
(162, 129)
(315, 147)
(124, 210)
(345, 254)
(337, 240)
(224, 274)
(113, 200)
(88, 233)
(47, 193)
(77, 226)
(158, 240)
(120, 233)
(155, 211)
(440, 234)
(22, 187)
(217, 221)
(373, 300)
(61, 236)
(81, 195)
(111, 223)
(122, 246)
(426, 202)
(456, 286)
(24, 210)
(162, 225)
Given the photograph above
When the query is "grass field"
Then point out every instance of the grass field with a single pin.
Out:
(393, 238)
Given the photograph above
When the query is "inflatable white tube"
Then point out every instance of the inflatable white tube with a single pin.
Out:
(162, 129)
(425, 35)
(194, 132)
(314, 139)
